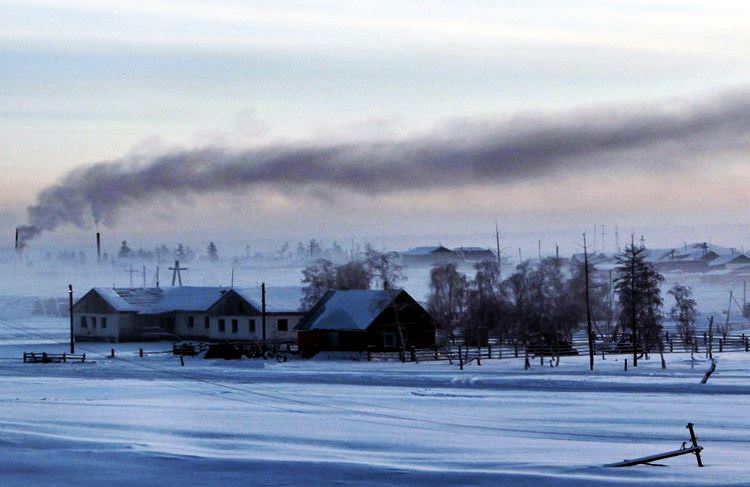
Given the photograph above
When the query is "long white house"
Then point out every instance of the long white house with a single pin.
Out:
(203, 313)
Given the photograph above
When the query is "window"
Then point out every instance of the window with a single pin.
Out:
(251, 326)
(191, 322)
(235, 326)
(206, 323)
(389, 340)
(104, 321)
(222, 326)
(282, 324)
(83, 322)
(93, 322)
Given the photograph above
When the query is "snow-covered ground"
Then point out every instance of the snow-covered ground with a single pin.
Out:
(149, 421)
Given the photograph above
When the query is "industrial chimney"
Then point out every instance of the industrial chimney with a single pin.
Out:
(98, 248)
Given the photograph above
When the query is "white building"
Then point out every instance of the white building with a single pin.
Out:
(202, 313)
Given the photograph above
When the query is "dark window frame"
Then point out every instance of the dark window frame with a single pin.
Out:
(282, 324)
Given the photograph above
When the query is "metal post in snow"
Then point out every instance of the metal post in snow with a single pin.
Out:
(70, 312)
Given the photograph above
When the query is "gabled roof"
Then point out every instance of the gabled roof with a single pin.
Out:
(348, 310)
(424, 251)
(195, 298)
(730, 259)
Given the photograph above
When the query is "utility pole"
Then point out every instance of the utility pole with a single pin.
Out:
(588, 304)
(593, 246)
(539, 249)
(633, 323)
(176, 276)
(617, 239)
(144, 276)
(130, 274)
(497, 242)
(263, 309)
(70, 312)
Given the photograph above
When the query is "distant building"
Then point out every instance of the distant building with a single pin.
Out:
(205, 313)
(730, 262)
(475, 254)
(429, 255)
(357, 320)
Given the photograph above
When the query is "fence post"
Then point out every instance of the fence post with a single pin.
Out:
(671, 346)
(83, 357)
(721, 345)
(369, 355)
(526, 363)
(182, 361)
(64, 358)
(413, 354)
(479, 356)
(436, 353)
(140, 352)
(746, 344)
(515, 349)
(460, 359)
(626, 365)
(112, 353)
(489, 350)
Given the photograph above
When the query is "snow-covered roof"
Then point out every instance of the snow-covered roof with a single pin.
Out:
(196, 298)
(419, 251)
(348, 310)
(730, 259)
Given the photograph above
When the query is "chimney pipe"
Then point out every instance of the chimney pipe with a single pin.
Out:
(16, 238)
(98, 248)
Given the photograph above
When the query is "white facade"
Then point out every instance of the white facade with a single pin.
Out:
(237, 327)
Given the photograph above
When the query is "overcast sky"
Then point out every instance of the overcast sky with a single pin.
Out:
(84, 82)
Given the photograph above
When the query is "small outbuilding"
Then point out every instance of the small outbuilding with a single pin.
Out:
(358, 320)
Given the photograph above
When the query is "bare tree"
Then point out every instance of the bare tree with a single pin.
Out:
(683, 312)
(447, 300)
(384, 267)
(319, 277)
(353, 275)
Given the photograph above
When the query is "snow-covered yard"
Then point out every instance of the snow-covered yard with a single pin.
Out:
(150, 421)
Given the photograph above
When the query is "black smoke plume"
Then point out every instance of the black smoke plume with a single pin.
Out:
(462, 153)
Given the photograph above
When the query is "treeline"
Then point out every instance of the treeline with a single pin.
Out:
(541, 302)
(546, 301)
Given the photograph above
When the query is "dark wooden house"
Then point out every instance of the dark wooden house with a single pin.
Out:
(357, 320)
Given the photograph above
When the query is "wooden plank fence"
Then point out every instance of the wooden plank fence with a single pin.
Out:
(458, 353)
(51, 358)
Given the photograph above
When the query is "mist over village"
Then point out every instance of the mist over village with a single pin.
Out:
(374, 243)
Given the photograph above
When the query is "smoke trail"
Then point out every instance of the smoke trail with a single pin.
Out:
(519, 148)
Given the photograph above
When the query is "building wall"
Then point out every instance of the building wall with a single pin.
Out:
(244, 331)
(96, 326)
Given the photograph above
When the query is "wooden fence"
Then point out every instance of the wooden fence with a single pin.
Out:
(460, 354)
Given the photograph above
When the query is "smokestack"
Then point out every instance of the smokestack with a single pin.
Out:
(16, 238)
(98, 248)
